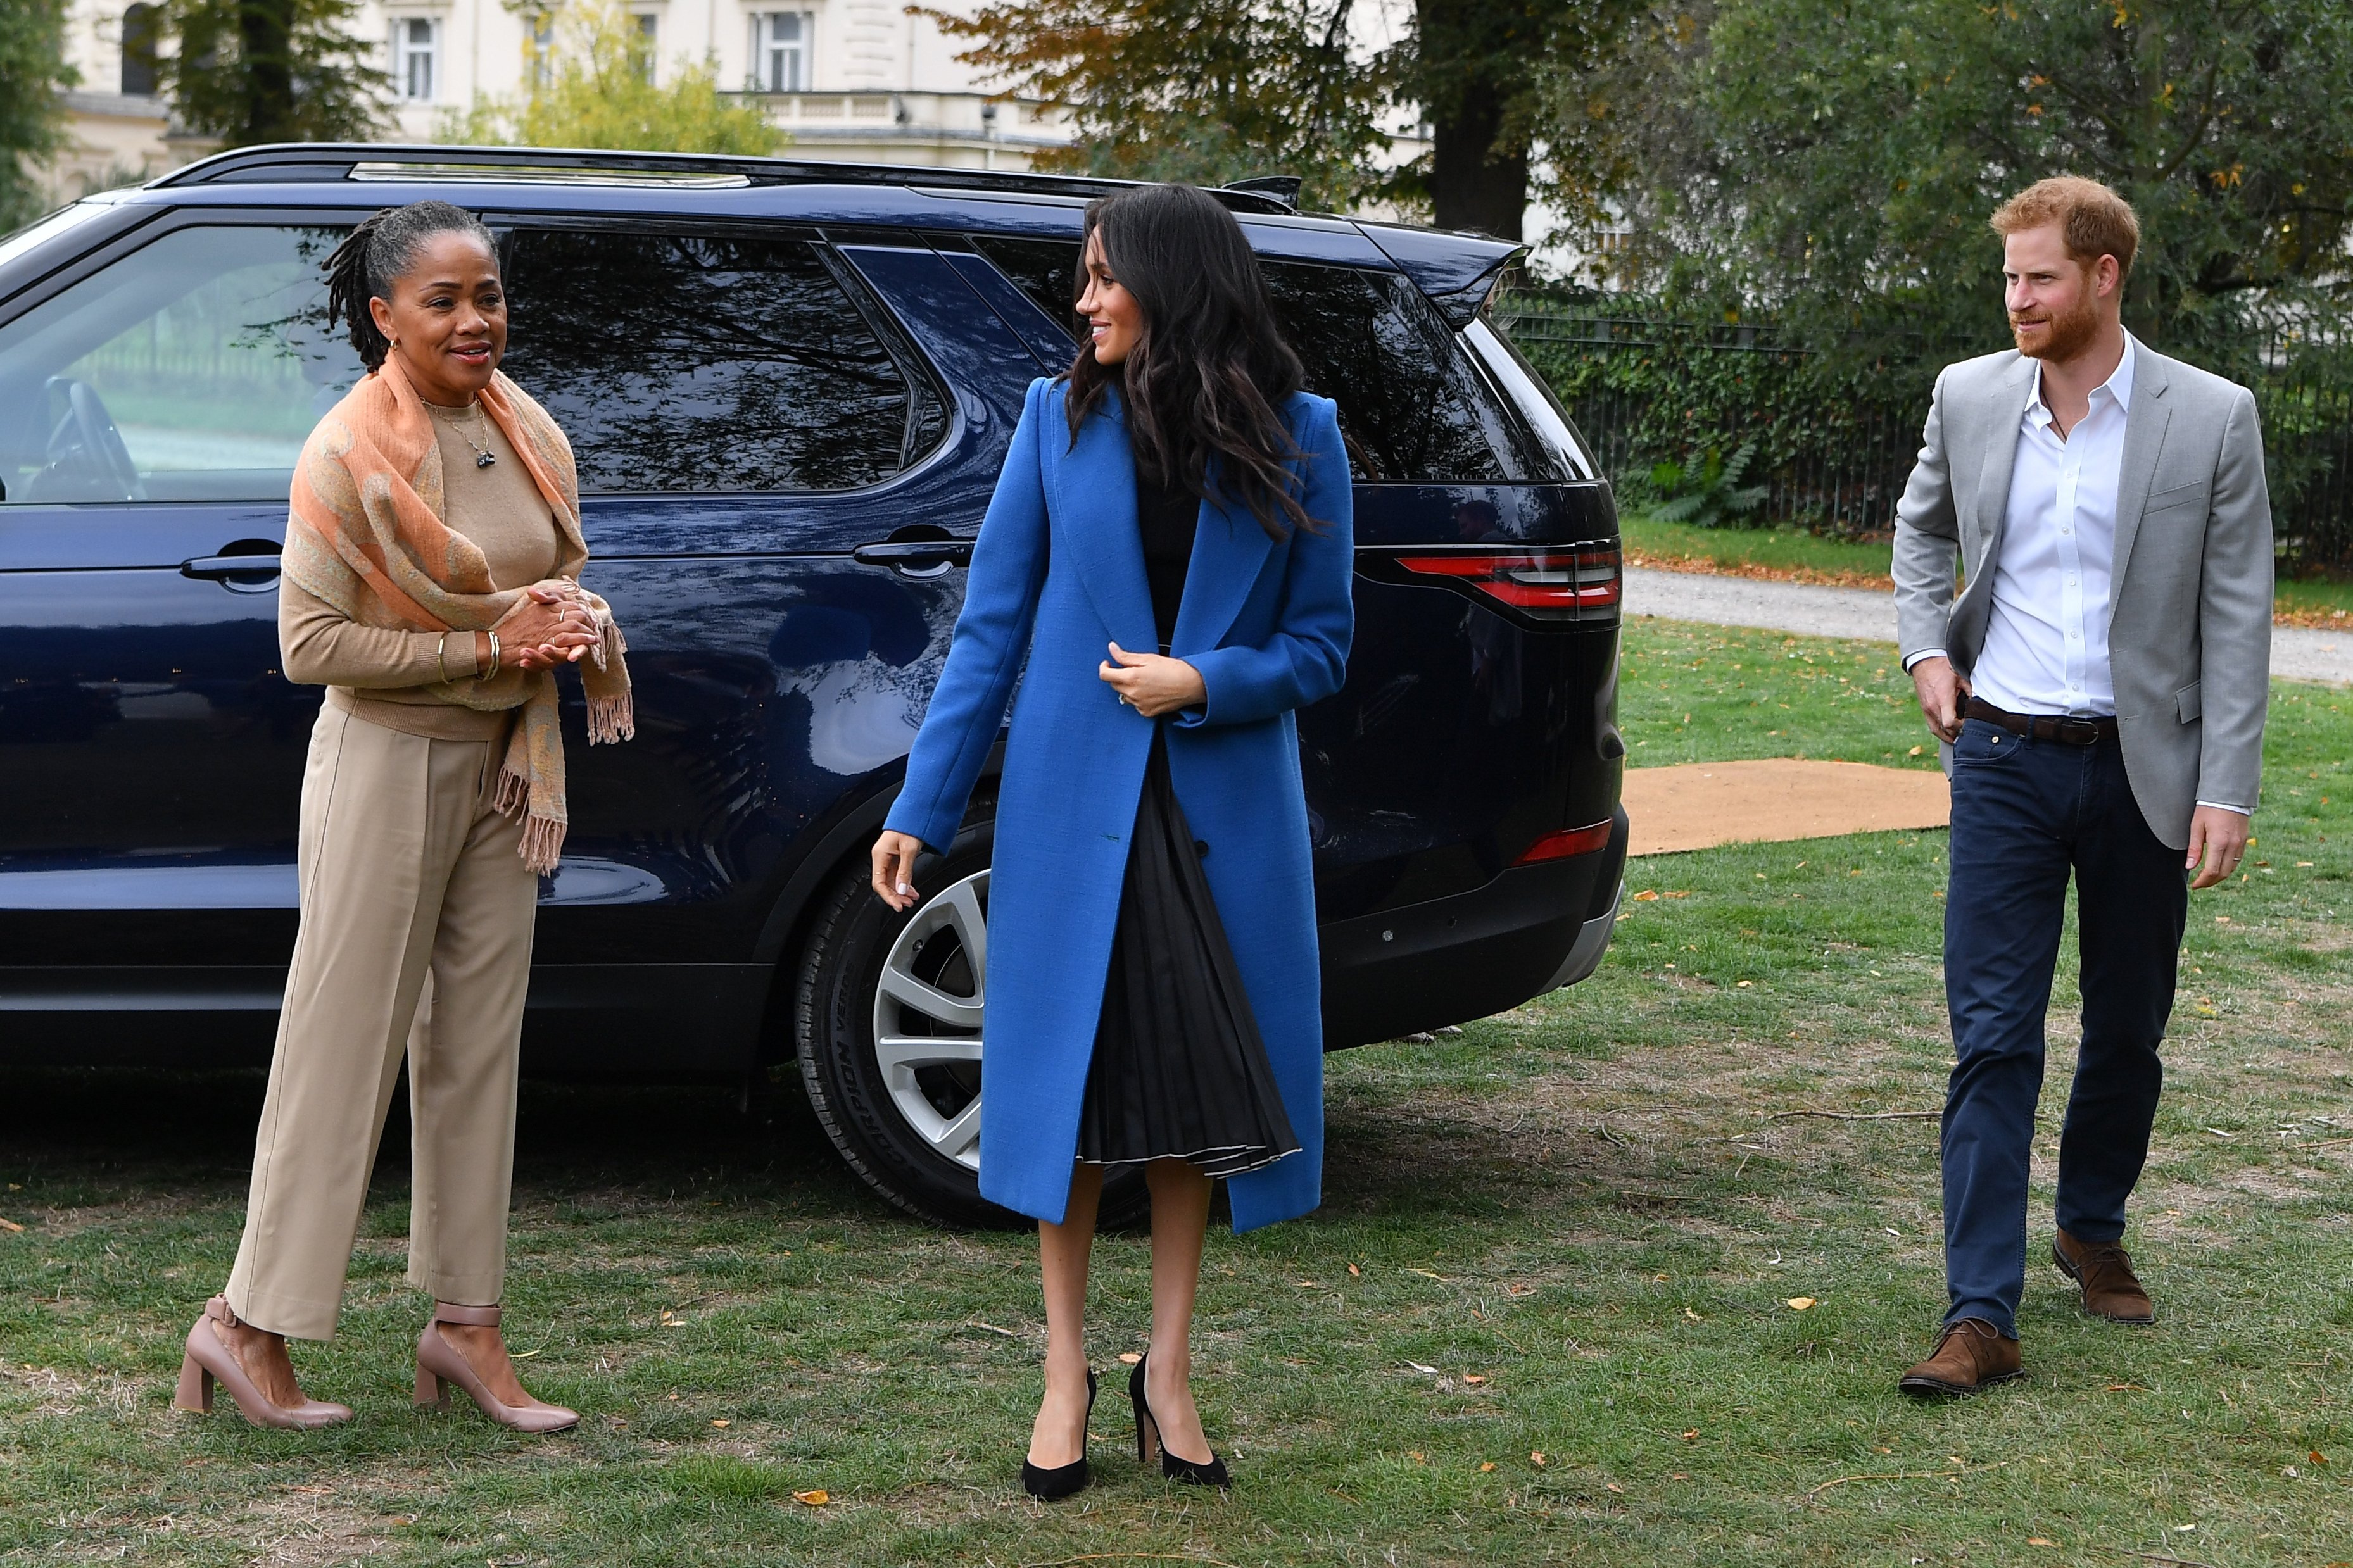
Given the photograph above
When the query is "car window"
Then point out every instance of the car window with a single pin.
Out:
(713, 361)
(1412, 405)
(190, 370)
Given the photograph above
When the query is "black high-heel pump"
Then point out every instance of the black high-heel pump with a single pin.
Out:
(1147, 1437)
(1054, 1485)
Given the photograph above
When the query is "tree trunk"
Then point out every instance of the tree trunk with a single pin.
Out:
(1472, 183)
(264, 50)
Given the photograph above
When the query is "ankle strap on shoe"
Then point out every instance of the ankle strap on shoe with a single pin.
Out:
(221, 1312)
(474, 1317)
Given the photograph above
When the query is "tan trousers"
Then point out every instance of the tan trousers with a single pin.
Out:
(415, 935)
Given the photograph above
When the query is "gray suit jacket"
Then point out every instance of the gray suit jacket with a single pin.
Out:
(2189, 635)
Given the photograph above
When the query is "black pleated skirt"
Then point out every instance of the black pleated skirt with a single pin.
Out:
(1179, 1069)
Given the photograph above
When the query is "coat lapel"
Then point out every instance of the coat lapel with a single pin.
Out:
(1230, 549)
(1094, 502)
(2145, 423)
(2007, 406)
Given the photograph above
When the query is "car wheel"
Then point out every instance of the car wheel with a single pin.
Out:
(892, 1038)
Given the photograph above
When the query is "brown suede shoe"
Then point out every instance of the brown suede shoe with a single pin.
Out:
(2111, 1288)
(1970, 1354)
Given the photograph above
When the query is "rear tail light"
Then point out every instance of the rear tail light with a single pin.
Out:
(1568, 841)
(1581, 582)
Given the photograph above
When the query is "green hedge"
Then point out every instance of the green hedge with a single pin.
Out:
(1836, 434)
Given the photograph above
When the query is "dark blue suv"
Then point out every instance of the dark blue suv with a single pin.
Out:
(790, 386)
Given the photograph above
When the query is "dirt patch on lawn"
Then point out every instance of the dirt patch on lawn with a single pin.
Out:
(1696, 805)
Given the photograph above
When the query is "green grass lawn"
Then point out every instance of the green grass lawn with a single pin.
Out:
(1793, 554)
(1788, 551)
(1544, 1315)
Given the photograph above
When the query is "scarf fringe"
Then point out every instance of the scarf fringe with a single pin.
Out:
(514, 793)
(543, 844)
(612, 719)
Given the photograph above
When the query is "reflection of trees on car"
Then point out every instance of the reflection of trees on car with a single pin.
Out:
(710, 363)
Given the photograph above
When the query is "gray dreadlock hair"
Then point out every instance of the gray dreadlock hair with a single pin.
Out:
(382, 249)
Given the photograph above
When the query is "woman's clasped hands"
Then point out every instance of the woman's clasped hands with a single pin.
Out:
(550, 625)
(1153, 683)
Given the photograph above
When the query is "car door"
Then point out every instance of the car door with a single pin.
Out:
(151, 756)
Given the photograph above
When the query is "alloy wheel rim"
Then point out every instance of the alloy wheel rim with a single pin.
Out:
(928, 1005)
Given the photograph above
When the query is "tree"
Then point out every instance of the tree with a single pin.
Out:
(596, 89)
(248, 71)
(1482, 71)
(1206, 92)
(1837, 161)
(32, 119)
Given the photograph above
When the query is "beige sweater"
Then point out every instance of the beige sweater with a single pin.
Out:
(392, 677)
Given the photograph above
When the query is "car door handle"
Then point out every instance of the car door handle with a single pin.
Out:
(916, 557)
(226, 568)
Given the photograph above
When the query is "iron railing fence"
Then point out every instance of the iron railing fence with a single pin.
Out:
(1835, 461)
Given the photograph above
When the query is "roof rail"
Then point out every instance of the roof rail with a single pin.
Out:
(326, 162)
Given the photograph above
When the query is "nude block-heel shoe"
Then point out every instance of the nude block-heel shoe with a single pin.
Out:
(439, 1363)
(209, 1359)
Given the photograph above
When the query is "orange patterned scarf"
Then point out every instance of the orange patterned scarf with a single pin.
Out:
(366, 537)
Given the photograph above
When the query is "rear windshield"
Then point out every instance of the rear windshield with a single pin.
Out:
(1413, 406)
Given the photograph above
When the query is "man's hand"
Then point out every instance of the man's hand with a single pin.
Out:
(1941, 691)
(2218, 835)
(1153, 683)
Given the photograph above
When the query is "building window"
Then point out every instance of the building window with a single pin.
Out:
(538, 53)
(416, 59)
(138, 51)
(780, 51)
(648, 43)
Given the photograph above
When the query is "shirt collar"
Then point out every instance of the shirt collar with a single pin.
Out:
(2119, 385)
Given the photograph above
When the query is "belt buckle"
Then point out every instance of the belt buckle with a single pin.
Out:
(2076, 732)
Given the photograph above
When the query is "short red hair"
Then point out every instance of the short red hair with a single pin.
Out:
(2093, 220)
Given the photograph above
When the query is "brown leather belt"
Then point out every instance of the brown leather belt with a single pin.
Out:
(2067, 732)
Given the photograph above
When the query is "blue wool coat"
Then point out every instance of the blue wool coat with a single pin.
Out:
(1056, 576)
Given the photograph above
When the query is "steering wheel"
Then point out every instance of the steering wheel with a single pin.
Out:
(84, 449)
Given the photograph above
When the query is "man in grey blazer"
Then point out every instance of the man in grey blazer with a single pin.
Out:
(2099, 687)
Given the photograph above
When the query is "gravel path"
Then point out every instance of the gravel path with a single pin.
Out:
(1810, 610)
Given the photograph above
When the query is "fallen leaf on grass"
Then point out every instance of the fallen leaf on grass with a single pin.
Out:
(1537, 1460)
(1800, 1303)
(1355, 1272)
(1306, 1284)
(1485, 1468)
(1685, 894)
(1613, 1486)
(1475, 1377)
(1694, 1317)
(817, 1498)
(10, 1225)
(1425, 1371)
(2039, 1540)
(1428, 1275)
(1692, 1436)
(2122, 1387)
(1417, 1455)
(723, 1423)
(2318, 1458)
(1648, 895)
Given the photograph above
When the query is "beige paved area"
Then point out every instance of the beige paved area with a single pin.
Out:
(1695, 805)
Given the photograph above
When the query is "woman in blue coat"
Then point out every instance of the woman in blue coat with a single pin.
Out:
(1164, 573)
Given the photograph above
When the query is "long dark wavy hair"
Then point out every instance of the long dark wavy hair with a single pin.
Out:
(1202, 384)
(383, 247)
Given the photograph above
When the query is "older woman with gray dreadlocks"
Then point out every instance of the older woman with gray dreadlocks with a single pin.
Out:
(432, 566)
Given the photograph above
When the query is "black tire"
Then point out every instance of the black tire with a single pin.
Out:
(850, 939)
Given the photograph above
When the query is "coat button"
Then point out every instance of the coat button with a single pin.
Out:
(1200, 847)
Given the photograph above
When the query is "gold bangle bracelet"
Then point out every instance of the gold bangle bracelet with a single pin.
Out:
(491, 673)
(441, 657)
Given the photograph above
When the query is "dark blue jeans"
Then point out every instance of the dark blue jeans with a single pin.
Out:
(2026, 813)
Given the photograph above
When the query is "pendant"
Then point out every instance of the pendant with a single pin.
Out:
(484, 459)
